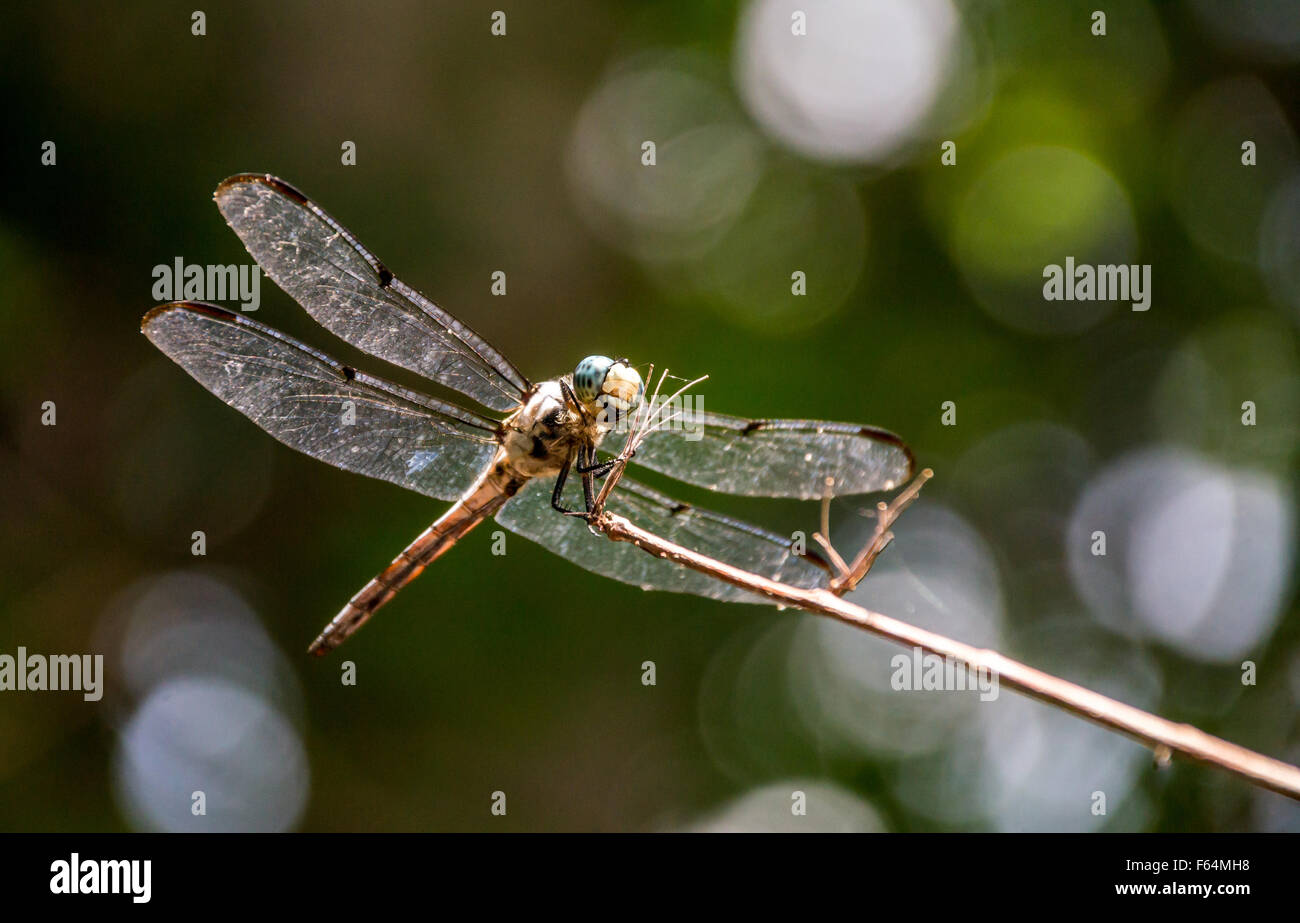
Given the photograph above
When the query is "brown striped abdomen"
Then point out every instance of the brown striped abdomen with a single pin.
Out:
(481, 501)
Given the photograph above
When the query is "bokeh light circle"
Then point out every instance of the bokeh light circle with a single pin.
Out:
(857, 85)
(1197, 555)
(706, 159)
(201, 734)
(1033, 208)
(795, 222)
(946, 581)
(826, 808)
(1219, 199)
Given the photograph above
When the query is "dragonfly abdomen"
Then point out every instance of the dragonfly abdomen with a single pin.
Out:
(497, 485)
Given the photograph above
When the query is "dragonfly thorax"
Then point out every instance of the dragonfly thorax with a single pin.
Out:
(547, 432)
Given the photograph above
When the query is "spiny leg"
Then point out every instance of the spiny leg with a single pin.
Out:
(598, 470)
(588, 453)
(557, 495)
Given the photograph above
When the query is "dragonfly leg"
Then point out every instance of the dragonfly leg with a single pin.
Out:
(557, 495)
(598, 470)
(586, 460)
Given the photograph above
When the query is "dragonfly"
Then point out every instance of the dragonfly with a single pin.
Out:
(528, 456)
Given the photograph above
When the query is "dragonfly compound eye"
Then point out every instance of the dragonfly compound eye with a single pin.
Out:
(621, 391)
(589, 377)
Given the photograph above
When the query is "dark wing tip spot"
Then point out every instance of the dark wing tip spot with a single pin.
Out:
(753, 426)
(385, 277)
(349, 372)
(890, 438)
(262, 179)
(193, 307)
(680, 508)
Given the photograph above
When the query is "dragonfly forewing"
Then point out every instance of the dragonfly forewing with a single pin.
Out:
(351, 293)
(323, 408)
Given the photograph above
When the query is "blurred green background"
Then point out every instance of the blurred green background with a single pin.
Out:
(776, 152)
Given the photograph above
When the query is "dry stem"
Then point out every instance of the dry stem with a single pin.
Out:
(1165, 737)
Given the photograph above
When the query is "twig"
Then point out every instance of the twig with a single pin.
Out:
(647, 418)
(1165, 737)
(849, 576)
(823, 537)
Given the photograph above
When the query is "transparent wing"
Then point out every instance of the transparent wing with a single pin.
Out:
(349, 292)
(774, 458)
(530, 514)
(329, 411)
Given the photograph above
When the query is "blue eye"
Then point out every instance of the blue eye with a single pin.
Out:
(590, 375)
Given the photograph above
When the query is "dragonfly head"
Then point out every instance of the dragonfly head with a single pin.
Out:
(611, 384)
